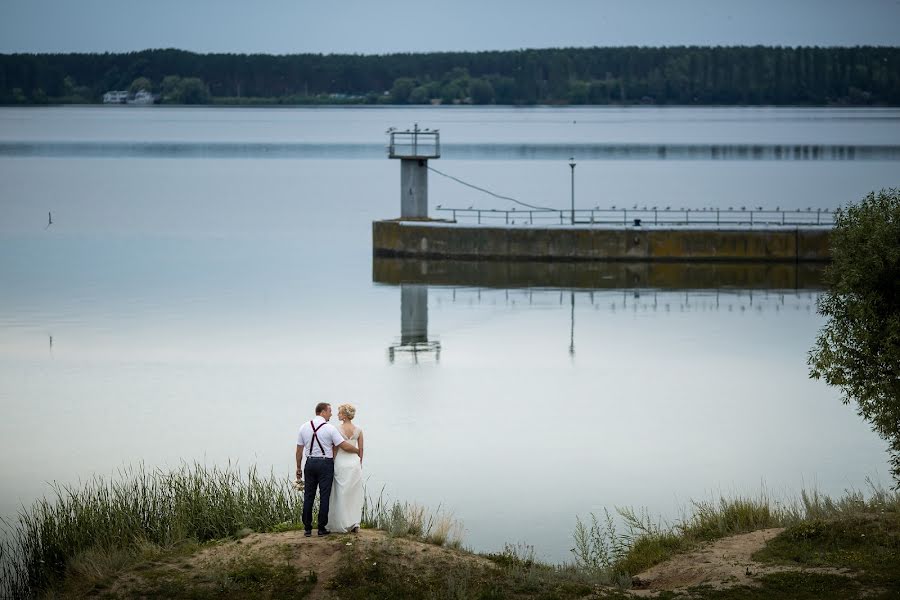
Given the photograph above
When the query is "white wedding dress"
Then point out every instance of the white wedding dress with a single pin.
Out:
(345, 511)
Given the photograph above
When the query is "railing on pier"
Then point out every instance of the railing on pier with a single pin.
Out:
(414, 143)
(741, 217)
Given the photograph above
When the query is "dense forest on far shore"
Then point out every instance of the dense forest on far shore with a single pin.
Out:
(860, 76)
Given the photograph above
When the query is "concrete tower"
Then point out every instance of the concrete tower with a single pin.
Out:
(414, 148)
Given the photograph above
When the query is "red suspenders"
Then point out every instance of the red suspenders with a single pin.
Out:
(315, 438)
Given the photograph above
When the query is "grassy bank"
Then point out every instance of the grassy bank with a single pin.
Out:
(206, 532)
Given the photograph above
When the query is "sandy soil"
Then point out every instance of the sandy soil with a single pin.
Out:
(321, 555)
(723, 563)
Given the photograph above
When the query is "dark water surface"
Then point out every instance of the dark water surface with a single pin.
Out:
(200, 304)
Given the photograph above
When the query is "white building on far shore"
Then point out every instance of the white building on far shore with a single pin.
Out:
(142, 97)
(115, 97)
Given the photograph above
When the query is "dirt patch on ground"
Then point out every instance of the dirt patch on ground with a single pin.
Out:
(322, 556)
(723, 563)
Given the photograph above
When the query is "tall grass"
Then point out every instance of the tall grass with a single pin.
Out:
(411, 520)
(141, 506)
(602, 548)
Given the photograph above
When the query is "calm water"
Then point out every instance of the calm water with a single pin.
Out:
(208, 278)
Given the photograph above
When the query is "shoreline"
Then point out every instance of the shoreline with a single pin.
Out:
(230, 537)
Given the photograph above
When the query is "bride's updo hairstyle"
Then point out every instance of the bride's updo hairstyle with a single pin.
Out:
(348, 410)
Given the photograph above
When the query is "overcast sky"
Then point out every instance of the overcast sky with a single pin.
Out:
(384, 26)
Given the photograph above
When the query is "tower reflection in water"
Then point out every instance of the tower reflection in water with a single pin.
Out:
(615, 287)
(414, 342)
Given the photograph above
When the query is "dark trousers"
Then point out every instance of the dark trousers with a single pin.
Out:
(318, 473)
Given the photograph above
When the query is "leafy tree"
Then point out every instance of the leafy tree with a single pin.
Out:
(419, 95)
(482, 91)
(184, 90)
(867, 75)
(578, 92)
(504, 90)
(192, 90)
(403, 87)
(170, 88)
(858, 350)
(141, 83)
(452, 92)
(69, 87)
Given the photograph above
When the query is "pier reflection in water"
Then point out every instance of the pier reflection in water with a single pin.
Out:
(600, 275)
(616, 287)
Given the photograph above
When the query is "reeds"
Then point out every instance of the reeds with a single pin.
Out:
(602, 549)
(411, 520)
(141, 506)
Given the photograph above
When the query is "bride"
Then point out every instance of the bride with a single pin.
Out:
(347, 491)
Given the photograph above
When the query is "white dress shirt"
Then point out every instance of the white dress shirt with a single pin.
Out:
(327, 434)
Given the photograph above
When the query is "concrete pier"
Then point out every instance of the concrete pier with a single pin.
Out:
(448, 240)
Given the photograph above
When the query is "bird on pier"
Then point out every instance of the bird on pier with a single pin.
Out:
(391, 129)
(49, 219)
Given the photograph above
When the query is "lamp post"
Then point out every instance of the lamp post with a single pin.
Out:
(572, 164)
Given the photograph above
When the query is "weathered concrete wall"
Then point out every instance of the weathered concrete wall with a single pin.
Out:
(414, 188)
(599, 274)
(452, 241)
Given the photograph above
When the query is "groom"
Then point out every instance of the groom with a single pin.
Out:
(316, 441)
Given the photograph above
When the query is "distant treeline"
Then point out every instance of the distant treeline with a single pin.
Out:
(626, 75)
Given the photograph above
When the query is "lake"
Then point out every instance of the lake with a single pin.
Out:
(208, 279)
